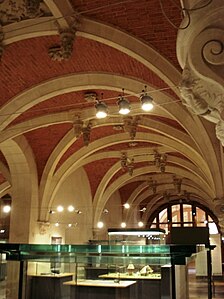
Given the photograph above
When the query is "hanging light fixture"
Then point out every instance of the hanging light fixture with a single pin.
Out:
(101, 110)
(146, 101)
(124, 105)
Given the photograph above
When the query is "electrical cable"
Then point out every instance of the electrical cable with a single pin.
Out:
(198, 8)
(184, 9)
(70, 106)
(75, 14)
(171, 23)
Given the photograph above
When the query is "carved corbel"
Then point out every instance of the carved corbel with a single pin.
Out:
(33, 8)
(86, 134)
(65, 49)
(127, 164)
(177, 182)
(77, 126)
(191, 90)
(200, 52)
(130, 126)
(152, 184)
(43, 227)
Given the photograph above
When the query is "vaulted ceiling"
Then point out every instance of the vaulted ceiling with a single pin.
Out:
(55, 55)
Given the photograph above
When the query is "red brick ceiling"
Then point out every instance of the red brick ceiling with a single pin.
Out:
(26, 63)
(143, 19)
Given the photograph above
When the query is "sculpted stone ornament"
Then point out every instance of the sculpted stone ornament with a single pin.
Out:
(203, 99)
(12, 11)
(43, 227)
(78, 127)
(200, 52)
(190, 93)
(86, 134)
(64, 51)
(33, 8)
(130, 125)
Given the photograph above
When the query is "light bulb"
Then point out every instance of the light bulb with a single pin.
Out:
(71, 208)
(126, 206)
(100, 224)
(101, 110)
(60, 209)
(147, 102)
(140, 224)
(6, 209)
(124, 106)
(123, 224)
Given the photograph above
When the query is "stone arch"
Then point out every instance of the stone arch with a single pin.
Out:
(24, 188)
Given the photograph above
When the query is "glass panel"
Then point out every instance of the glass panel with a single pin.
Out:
(213, 229)
(187, 213)
(200, 214)
(188, 224)
(176, 213)
(210, 219)
(153, 226)
(176, 224)
(163, 216)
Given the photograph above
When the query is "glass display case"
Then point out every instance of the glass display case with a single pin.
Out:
(92, 271)
(136, 236)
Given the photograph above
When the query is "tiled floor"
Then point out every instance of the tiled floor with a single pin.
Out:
(198, 288)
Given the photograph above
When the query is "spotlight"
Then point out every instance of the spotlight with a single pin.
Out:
(101, 110)
(71, 208)
(126, 206)
(123, 224)
(140, 224)
(124, 106)
(100, 224)
(147, 102)
(57, 224)
(60, 209)
(79, 212)
(6, 209)
(69, 225)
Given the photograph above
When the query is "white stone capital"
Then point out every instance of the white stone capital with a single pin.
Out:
(200, 51)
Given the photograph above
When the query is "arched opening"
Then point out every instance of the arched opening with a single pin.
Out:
(183, 213)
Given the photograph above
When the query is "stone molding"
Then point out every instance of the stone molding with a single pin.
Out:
(13, 11)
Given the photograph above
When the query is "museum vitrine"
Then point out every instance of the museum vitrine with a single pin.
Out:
(91, 271)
